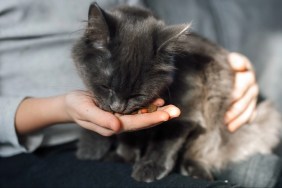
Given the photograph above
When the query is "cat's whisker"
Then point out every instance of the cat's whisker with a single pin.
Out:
(76, 31)
(82, 29)
(88, 95)
(84, 21)
(59, 86)
(168, 91)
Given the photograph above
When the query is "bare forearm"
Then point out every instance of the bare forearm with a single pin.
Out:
(36, 113)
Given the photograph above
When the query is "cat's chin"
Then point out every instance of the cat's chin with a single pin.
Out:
(108, 109)
(105, 108)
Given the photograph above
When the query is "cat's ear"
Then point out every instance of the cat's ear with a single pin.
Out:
(169, 34)
(100, 26)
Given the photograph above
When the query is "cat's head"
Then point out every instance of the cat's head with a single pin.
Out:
(125, 57)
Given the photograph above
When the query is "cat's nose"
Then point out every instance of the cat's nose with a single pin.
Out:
(118, 107)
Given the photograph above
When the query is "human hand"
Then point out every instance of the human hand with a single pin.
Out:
(81, 109)
(244, 95)
(145, 120)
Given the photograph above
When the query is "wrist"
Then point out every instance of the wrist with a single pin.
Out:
(34, 114)
(61, 114)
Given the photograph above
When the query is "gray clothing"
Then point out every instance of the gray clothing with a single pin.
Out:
(35, 61)
(35, 42)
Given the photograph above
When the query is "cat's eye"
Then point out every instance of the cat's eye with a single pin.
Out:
(104, 87)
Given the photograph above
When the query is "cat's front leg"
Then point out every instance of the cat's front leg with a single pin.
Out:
(162, 152)
(130, 145)
(195, 169)
(92, 146)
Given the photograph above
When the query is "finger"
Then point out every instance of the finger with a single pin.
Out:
(240, 106)
(159, 102)
(99, 117)
(172, 110)
(142, 121)
(239, 62)
(93, 127)
(243, 118)
(243, 81)
(147, 120)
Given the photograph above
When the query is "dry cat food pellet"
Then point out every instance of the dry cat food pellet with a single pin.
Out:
(149, 109)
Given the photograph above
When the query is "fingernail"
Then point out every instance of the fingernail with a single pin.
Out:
(175, 112)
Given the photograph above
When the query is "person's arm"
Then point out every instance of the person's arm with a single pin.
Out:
(244, 95)
(36, 113)
(10, 144)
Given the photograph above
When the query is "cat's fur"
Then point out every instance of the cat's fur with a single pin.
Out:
(127, 58)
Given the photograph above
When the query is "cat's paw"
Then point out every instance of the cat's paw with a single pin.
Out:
(148, 171)
(196, 171)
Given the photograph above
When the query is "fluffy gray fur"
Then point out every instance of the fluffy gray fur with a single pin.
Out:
(127, 58)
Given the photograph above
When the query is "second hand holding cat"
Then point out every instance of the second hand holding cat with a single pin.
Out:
(245, 93)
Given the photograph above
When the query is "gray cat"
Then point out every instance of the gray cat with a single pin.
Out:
(127, 58)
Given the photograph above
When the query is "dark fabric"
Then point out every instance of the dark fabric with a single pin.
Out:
(58, 167)
(258, 171)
